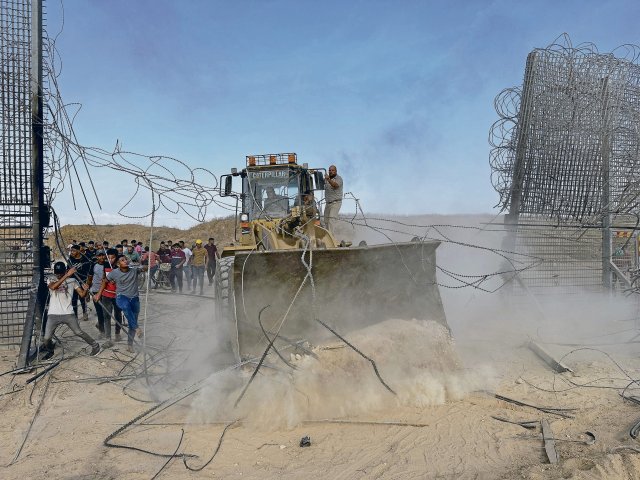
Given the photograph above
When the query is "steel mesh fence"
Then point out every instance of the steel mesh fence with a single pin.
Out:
(566, 164)
(571, 131)
(16, 257)
(569, 257)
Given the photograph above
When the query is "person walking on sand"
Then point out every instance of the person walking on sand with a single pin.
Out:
(212, 255)
(60, 311)
(199, 262)
(177, 261)
(186, 268)
(164, 252)
(152, 260)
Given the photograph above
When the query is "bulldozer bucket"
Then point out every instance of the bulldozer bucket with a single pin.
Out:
(346, 288)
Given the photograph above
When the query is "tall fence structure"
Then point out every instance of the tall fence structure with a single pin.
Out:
(21, 171)
(565, 162)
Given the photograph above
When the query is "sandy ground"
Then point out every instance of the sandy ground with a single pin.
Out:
(440, 425)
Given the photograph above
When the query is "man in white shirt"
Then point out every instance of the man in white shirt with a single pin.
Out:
(186, 268)
(60, 310)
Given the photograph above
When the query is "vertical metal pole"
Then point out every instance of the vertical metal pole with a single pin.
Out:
(36, 301)
(146, 294)
(524, 118)
(606, 191)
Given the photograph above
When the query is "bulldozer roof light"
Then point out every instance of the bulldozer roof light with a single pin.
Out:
(272, 159)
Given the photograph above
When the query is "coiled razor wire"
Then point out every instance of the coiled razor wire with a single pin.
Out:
(576, 110)
(565, 156)
(178, 188)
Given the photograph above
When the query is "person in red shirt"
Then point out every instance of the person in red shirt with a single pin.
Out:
(107, 297)
(151, 259)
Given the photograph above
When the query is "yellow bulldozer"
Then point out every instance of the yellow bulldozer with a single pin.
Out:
(285, 275)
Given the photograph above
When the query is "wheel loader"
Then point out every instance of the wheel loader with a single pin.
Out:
(285, 270)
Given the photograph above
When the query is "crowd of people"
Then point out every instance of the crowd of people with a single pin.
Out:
(108, 276)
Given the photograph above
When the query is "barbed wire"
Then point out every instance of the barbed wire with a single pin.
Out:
(576, 106)
(565, 153)
(177, 187)
(511, 263)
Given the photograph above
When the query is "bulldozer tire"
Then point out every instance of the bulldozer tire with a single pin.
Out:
(223, 282)
(225, 305)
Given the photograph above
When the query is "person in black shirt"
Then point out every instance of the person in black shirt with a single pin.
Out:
(83, 270)
(213, 255)
(178, 258)
(164, 253)
(90, 253)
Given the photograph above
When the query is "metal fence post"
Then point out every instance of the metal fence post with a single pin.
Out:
(36, 299)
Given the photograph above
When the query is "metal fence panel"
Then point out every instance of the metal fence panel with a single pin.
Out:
(16, 259)
(566, 164)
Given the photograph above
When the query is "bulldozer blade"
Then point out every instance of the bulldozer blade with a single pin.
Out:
(347, 288)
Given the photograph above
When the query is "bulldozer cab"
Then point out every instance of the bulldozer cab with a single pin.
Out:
(273, 184)
(270, 193)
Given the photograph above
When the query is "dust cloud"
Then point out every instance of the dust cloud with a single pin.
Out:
(420, 359)
(417, 359)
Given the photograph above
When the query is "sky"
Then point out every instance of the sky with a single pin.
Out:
(397, 94)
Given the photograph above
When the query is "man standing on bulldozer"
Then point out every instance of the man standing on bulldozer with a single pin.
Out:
(332, 197)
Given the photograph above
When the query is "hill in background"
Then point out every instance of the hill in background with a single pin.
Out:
(376, 229)
(220, 228)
